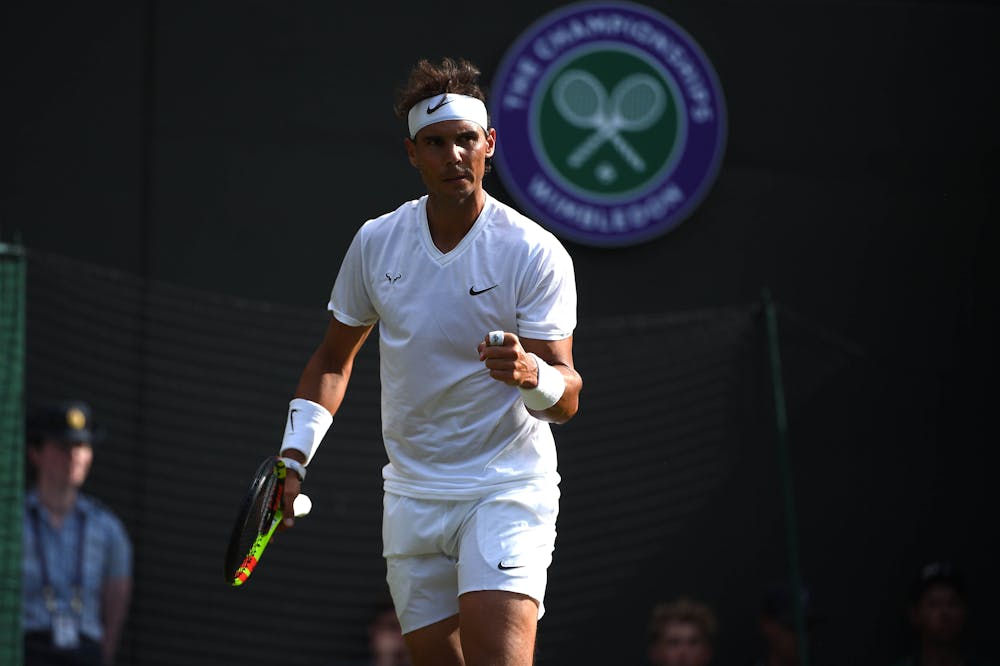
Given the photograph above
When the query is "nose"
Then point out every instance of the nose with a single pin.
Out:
(454, 154)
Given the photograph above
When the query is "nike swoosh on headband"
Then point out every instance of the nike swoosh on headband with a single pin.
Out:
(444, 100)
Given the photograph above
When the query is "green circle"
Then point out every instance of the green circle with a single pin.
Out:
(607, 170)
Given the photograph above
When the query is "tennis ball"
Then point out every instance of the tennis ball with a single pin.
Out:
(302, 505)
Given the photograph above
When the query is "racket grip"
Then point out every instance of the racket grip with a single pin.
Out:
(495, 338)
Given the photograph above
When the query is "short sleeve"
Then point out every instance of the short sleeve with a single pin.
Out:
(546, 307)
(350, 302)
(119, 560)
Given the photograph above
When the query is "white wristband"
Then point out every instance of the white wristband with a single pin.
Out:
(551, 385)
(295, 466)
(306, 426)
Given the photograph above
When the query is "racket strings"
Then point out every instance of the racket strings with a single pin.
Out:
(255, 521)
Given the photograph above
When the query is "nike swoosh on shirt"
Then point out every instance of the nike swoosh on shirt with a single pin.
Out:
(505, 566)
(473, 292)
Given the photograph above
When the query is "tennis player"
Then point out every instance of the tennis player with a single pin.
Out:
(476, 306)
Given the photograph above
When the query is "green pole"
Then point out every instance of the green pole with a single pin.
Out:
(12, 314)
(785, 469)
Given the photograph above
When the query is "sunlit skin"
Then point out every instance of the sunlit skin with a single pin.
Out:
(680, 644)
(62, 470)
(451, 159)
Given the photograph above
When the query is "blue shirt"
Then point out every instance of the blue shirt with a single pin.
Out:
(107, 554)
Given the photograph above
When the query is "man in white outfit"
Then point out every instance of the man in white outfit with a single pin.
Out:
(471, 487)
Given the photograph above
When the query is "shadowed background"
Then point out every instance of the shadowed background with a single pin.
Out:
(188, 175)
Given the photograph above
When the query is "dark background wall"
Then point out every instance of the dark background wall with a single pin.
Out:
(220, 146)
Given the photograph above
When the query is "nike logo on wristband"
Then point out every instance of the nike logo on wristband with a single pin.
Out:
(291, 419)
(473, 292)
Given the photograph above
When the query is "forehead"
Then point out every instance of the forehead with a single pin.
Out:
(448, 129)
(681, 630)
(940, 590)
(62, 444)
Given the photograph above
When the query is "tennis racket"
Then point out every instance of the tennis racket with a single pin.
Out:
(259, 516)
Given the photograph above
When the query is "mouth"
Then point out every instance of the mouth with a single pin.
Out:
(454, 178)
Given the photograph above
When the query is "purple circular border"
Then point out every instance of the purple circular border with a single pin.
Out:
(518, 164)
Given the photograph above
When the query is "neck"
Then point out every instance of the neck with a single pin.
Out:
(57, 500)
(450, 219)
(778, 660)
(934, 654)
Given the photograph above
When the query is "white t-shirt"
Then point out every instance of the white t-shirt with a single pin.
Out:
(450, 430)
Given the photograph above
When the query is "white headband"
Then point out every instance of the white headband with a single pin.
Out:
(447, 106)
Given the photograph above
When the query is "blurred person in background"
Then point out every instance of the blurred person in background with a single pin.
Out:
(777, 624)
(77, 556)
(681, 633)
(385, 638)
(938, 612)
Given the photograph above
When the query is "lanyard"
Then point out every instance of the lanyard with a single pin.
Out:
(76, 603)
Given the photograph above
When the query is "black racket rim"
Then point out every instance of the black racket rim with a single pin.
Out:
(264, 480)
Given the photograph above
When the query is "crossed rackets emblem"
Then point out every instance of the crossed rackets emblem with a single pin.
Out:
(635, 104)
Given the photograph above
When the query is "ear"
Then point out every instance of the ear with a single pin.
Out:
(411, 151)
(491, 142)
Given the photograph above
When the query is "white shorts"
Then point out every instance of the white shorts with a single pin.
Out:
(436, 550)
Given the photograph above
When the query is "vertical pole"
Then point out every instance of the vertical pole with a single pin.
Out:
(785, 468)
(12, 332)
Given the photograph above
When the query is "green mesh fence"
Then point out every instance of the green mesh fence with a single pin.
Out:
(12, 294)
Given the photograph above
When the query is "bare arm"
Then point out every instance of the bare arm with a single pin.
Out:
(511, 365)
(116, 595)
(324, 380)
(325, 377)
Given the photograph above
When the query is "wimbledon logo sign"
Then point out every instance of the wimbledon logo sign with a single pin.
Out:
(610, 121)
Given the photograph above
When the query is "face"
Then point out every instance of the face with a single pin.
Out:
(940, 614)
(680, 644)
(451, 157)
(62, 465)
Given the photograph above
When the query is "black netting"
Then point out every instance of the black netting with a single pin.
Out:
(192, 388)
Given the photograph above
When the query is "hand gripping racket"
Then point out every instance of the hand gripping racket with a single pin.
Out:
(259, 516)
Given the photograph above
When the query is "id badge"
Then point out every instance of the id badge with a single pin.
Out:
(65, 632)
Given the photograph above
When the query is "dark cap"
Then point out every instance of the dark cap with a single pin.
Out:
(779, 604)
(936, 572)
(67, 422)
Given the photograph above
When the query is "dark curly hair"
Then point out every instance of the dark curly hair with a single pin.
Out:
(427, 80)
(683, 610)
